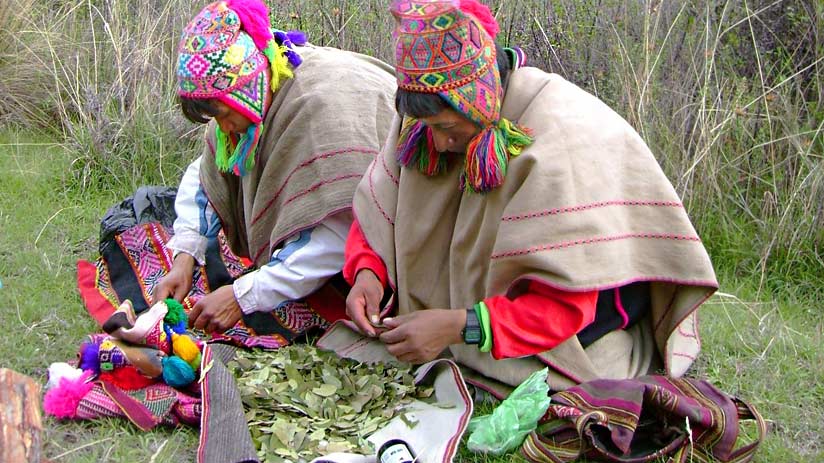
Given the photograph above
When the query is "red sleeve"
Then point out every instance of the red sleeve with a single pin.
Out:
(537, 320)
(358, 255)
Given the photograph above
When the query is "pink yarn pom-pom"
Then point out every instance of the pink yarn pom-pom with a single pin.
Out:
(62, 401)
(483, 14)
(254, 19)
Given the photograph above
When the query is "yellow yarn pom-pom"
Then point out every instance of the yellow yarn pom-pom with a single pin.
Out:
(184, 347)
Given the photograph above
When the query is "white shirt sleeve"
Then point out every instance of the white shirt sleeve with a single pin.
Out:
(305, 262)
(196, 220)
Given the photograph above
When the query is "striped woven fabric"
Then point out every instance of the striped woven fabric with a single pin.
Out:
(644, 419)
(138, 258)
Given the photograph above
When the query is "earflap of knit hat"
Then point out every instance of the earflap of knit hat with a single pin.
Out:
(252, 98)
(237, 154)
(416, 148)
(488, 155)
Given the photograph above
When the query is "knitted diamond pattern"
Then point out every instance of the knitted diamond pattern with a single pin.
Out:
(252, 95)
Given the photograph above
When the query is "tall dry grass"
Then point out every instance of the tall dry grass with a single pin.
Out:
(104, 78)
(17, 100)
(728, 95)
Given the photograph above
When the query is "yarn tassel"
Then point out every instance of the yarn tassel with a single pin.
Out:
(289, 40)
(297, 37)
(276, 54)
(184, 347)
(176, 372)
(242, 159)
(176, 314)
(488, 154)
(416, 148)
(89, 356)
(221, 150)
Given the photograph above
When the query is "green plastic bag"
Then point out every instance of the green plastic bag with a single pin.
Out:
(507, 426)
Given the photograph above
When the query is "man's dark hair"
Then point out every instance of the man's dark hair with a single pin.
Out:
(416, 104)
(197, 110)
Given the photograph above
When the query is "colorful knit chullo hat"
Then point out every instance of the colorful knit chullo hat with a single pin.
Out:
(447, 47)
(228, 52)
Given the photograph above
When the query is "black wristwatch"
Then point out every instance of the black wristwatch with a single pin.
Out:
(471, 333)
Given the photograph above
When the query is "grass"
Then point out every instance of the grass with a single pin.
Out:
(728, 94)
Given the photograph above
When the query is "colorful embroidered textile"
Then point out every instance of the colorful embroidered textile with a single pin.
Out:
(586, 207)
(447, 48)
(131, 269)
(157, 404)
(643, 420)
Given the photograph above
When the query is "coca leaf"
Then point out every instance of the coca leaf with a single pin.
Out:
(325, 390)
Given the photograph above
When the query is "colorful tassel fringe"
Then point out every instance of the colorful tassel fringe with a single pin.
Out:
(176, 372)
(416, 148)
(276, 54)
(289, 40)
(176, 313)
(89, 357)
(487, 155)
(242, 159)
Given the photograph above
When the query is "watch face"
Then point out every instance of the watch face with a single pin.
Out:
(472, 329)
(472, 335)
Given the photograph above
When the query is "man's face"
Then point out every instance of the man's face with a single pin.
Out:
(450, 130)
(229, 120)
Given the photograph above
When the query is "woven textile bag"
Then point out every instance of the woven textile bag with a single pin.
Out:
(652, 418)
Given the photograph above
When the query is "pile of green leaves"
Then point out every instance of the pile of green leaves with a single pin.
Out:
(302, 402)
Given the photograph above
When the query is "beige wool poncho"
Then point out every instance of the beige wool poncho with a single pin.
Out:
(585, 207)
(322, 130)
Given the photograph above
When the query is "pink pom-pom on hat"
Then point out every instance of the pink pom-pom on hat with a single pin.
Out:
(483, 14)
(254, 20)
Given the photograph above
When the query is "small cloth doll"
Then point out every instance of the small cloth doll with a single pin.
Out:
(136, 352)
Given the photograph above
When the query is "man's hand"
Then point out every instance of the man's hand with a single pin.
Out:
(363, 301)
(421, 336)
(178, 282)
(216, 312)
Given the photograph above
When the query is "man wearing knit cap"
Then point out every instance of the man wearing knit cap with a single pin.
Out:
(285, 147)
(517, 220)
